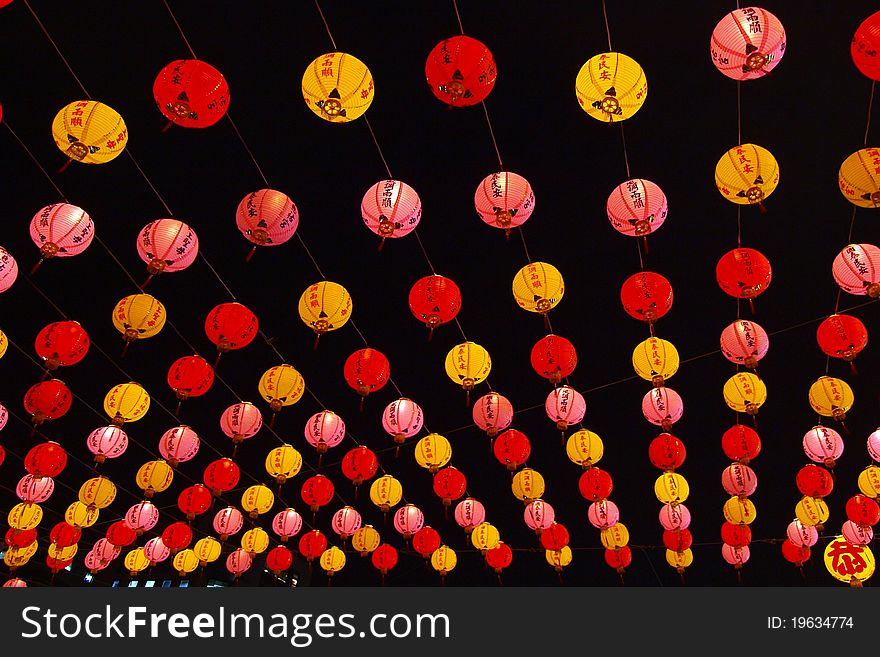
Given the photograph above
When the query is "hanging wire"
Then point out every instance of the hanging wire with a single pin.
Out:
(179, 29)
(326, 26)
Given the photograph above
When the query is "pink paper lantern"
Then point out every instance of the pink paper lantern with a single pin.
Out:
(603, 514)
(744, 343)
(227, 522)
(156, 551)
(408, 519)
(241, 421)
(141, 517)
(504, 200)
(735, 556)
(662, 406)
(324, 430)
(179, 445)
(539, 515)
(402, 419)
(107, 443)
(823, 445)
(267, 217)
(493, 413)
(8, 270)
(345, 522)
(739, 479)
(238, 562)
(747, 43)
(4, 416)
(856, 533)
(391, 209)
(637, 207)
(62, 230)
(31, 489)
(286, 524)
(167, 245)
(674, 516)
(105, 551)
(802, 535)
(565, 406)
(469, 513)
(874, 445)
(856, 269)
(14, 583)
(94, 564)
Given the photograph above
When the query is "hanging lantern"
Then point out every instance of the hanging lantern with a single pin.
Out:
(851, 564)
(504, 200)
(126, 402)
(177, 536)
(239, 562)
(863, 510)
(538, 287)
(539, 515)
(744, 392)
(317, 491)
(449, 484)
(338, 87)
(136, 561)
(747, 174)
(241, 421)
(739, 479)
(739, 510)
(281, 386)
(138, 316)
(255, 541)
(512, 448)
(61, 230)
(191, 93)
(735, 556)
(743, 273)
(646, 296)
(595, 484)
(105, 551)
(89, 132)
(655, 360)
(391, 209)
(228, 522)
(31, 489)
(527, 485)
(267, 217)
(194, 501)
(408, 519)
(167, 245)
(190, 376)
(185, 562)
(345, 522)
(675, 516)
(207, 550)
(614, 537)
(603, 514)
(62, 344)
(365, 540)
(47, 400)
(15, 583)
(677, 540)
(611, 87)
(812, 511)
(842, 336)
(637, 207)
(554, 358)
(366, 370)
(359, 464)
(874, 445)
(141, 517)
(257, 500)
(24, 516)
(434, 300)
(221, 476)
(231, 326)
(662, 407)
(286, 524)
(680, 560)
(856, 533)
(384, 558)
(47, 459)
(584, 448)
(279, 559)
(468, 364)
(63, 534)
(485, 537)
(312, 545)
(444, 560)
(666, 452)
(179, 445)
(154, 477)
(831, 397)
(324, 430)
(325, 306)
(460, 71)
(744, 343)
(736, 535)
(747, 43)
(823, 445)
(499, 557)
(156, 551)
(741, 443)
(559, 559)
(565, 406)
(864, 47)
(469, 513)
(857, 270)
(8, 270)
(120, 535)
(858, 178)
(402, 419)
(385, 492)
(869, 481)
(425, 541)
(493, 413)
(671, 488)
(283, 463)
(4, 345)
(97, 492)
(811, 480)
(433, 452)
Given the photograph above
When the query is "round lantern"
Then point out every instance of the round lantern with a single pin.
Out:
(449, 484)
(852, 564)
(177, 536)
(190, 376)
(823, 445)
(831, 397)
(842, 336)
(62, 230)
(739, 510)
(469, 513)
(504, 200)
(857, 269)
(167, 245)
(677, 540)
(4, 345)
(185, 562)
(324, 430)
(238, 562)
(747, 174)
(666, 452)
(194, 500)
(267, 217)
(191, 93)
(154, 477)
(241, 421)
(539, 515)
(615, 536)
(61, 344)
(155, 550)
(107, 443)
(408, 519)
(221, 476)
(384, 558)
(869, 481)
(179, 445)
(325, 306)
(460, 71)
(812, 511)
(795, 554)
(338, 87)
(741, 443)
(595, 484)
(287, 523)
(359, 464)
(675, 516)
(485, 537)
(671, 488)
(365, 540)
(493, 413)
(24, 516)
(554, 358)
(864, 47)
(874, 445)
(279, 559)
(283, 463)
(646, 296)
(565, 406)
(402, 419)
(255, 541)
(736, 535)
(863, 510)
(97, 492)
(499, 557)
(391, 209)
(739, 479)
(425, 541)
(637, 207)
(538, 287)
(141, 517)
(433, 452)
(126, 402)
(559, 559)
(679, 560)
(105, 551)
(136, 561)
(312, 544)
(812, 480)
(47, 400)
(227, 522)
(662, 407)
(802, 535)
(385, 492)
(46, 459)
(468, 364)
(231, 326)
(366, 370)
(138, 316)
(31, 489)
(584, 448)
(743, 273)
(64, 534)
(257, 500)
(443, 560)
(735, 556)
(207, 550)
(345, 522)
(859, 180)
(603, 514)
(15, 583)
(744, 343)
(747, 43)
(527, 485)
(281, 386)
(655, 360)
(744, 392)
(611, 87)
(89, 132)
(317, 491)
(8, 270)
(434, 300)
(120, 534)
(512, 448)
(856, 533)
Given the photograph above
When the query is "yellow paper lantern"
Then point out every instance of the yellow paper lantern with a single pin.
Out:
(611, 87)
(615, 536)
(869, 481)
(485, 537)
(747, 174)
(81, 515)
(671, 488)
(739, 510)
(385, 492)
(185, 562)
(812, 511)
(365, 540)
(257, 500)
(126, 402)
(849, 563)
(281, 386)
(24, 516)
(255, 541)
(63, 554)
(679, 560)
(207, 550)
(283, 463)
(18, 557)
(584, 448)
(325, 306)
(443, 560)
(90, 132)
(338, 87)
(139, 316)
(468, 364)
(154, 477)
(136, 561)
(97, 492)
(831, 397)
(538, 287)
(4, 344)
(559, 559)
(527, 485)
(655, 360)
(433, 452)
(859, 180)
(332, 560)
(744, 392)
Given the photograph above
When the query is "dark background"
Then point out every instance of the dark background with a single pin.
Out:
(810, 113)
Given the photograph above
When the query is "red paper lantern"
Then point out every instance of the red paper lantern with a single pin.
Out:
(666, 452)
(865, 47)
(449, 484)
(736, 535)
(366, 371)
(554, 358)
(743, 273)
(425, 541)
(279, 559)
(863, 510)
(842, 336)
(619, 558)
(677, 540)
(2, 454)
(434, 300)
(499, 557)
(555, 537)
(191, 93)
(190, 376)
(595, 484)
(47, 400)
(794, 554)
(312, 544)
(57, 565)
(61, 344)
(194, 500)
(512, 448)
(741, 443)
(646, 296)
(221, 476)
(120, 534)
(177, 536)
(814, 481)
(317, 491)
(384, 558)
(231, 326)
(359, 464)
(46, 459)
(460, 71)
(64, 535)
(20, 538)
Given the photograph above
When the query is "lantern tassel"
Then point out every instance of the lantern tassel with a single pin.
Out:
(64, 166)
(755, 422)
(217, 360)
(546, 322)
(272, 421)
(317, 338)
(167, 127)
(620, 576)
(382, 579)
(250, 254)
(739, 577)
(361, 406)
(752, 306)
(356, 493)
(853, 368)
(320, 458)
(397, 451)
(36, 266)
(177, 410)
(381, 244)
(559, 576)
(467, 398)
(125, 348)
(144, 284)
(430, 333)
(645, 244)
(762, 208)
(498, 577)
